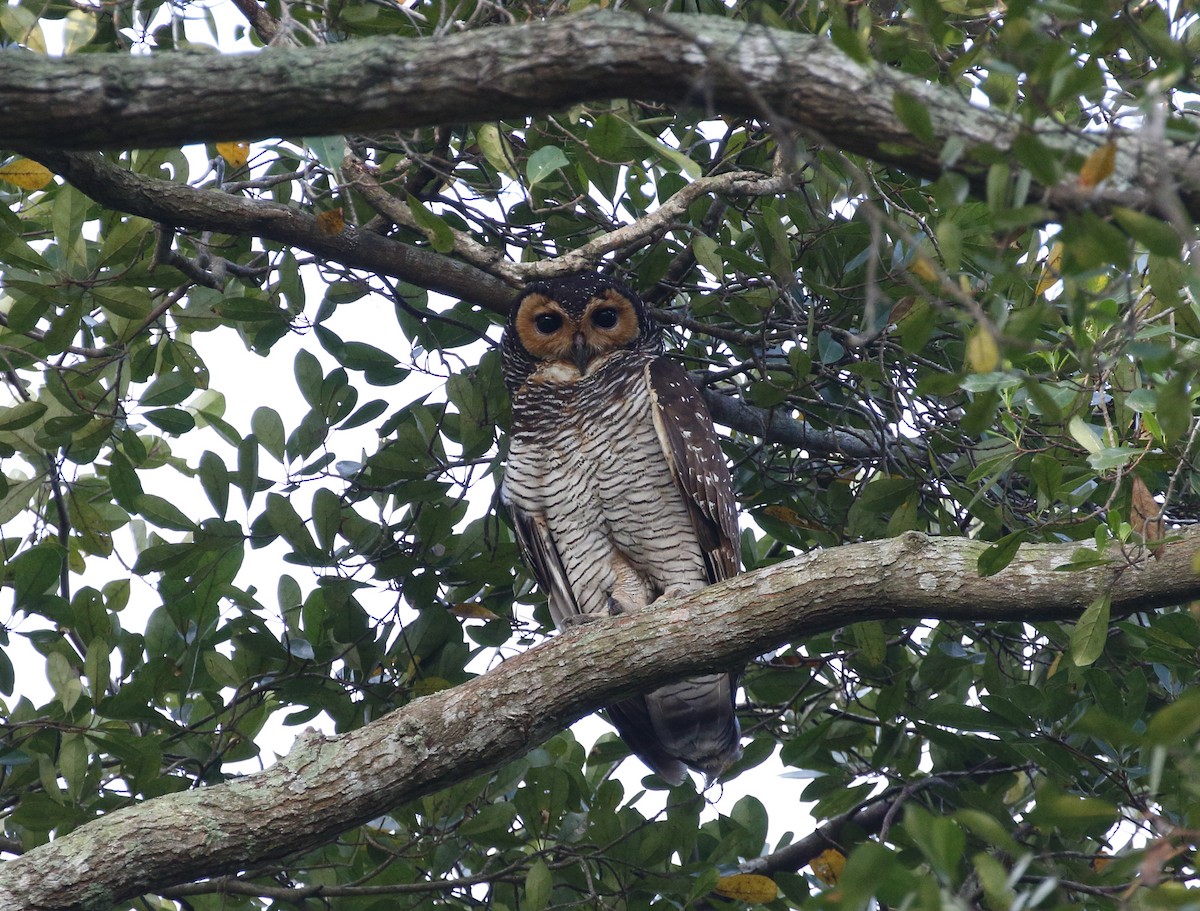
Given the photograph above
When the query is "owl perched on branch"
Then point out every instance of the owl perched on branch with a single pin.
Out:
(620, 493)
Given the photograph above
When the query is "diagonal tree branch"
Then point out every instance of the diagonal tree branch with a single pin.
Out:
(327, 785)
(182, 206)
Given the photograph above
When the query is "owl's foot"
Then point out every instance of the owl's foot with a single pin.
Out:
(676, 591)
(573, 620)
(616, 608)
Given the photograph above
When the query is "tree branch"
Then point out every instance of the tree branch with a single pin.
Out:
(182, 206)
(327, 785)
(802, 81)
(772, 427)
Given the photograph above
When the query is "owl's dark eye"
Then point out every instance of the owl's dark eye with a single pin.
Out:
(548, 323)
(605, 318)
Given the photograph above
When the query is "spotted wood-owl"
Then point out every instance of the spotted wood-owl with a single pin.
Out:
(620, 493)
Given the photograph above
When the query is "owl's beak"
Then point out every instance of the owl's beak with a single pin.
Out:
(580, 353)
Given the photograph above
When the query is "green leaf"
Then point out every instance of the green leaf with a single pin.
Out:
(14, 417)
(1070, 812)
(64, 680)
(871, 641)
(249, 310)
(496, 148)
(8, 681)
(214, 479)
(36, 571)
(1086, 435)
(1174, 407)
(268, 427)
(1156, 236)
(16, 499)
(288, 525)
(327, 517)
(124, 482)
(914, 114)
(939, 838)
(681, 161)
(309, 376)
(705, 250)
(1001, 553)
(121, 239)
(171, 420)
(437, 232)
(993, 877)
(829, 349)
(169, 389)
(1091, 632)
(543, 163)
(163, 513)
(537, 886)
(246, 477)
(127, 303)
(1176, 723)
(329, 150)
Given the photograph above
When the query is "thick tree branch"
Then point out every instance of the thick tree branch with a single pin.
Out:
(327, 785)
(96, 101)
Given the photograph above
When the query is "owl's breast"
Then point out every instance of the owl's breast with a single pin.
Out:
(588, 458)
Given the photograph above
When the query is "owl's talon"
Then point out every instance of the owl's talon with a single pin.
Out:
(675, 591)
(574, 620)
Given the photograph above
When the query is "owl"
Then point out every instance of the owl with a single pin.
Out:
(619, 493)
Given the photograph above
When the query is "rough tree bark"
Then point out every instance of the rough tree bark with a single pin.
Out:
(327, 785)
(793, 80)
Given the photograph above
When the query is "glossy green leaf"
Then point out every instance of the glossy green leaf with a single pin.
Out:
(1091, 632)
(439, 234)
(543, 163)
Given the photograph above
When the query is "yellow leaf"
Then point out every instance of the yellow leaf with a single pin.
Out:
(331, 222)
(747, 887)
(26, 174)
(1099, 165)
(1051, 271)
(784, 514)
(472, 610)
(983, 355)
(828, 865)
(235, 154)
(1053, 668)
(922, 267)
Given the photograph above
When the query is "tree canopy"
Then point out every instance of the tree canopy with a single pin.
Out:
(932, 263)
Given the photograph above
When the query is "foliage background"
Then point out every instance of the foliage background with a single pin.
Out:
(962, 358)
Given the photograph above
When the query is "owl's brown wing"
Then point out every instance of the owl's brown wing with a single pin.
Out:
(698, 465)
(541, 555)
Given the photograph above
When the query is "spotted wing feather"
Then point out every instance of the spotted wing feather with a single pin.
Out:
(697, 463)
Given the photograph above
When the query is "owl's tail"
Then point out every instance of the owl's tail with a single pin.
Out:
(690, 723)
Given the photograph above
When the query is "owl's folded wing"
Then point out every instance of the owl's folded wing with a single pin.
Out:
(698, 464)
(541, 555)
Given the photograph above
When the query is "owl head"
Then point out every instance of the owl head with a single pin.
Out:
(571, 323)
